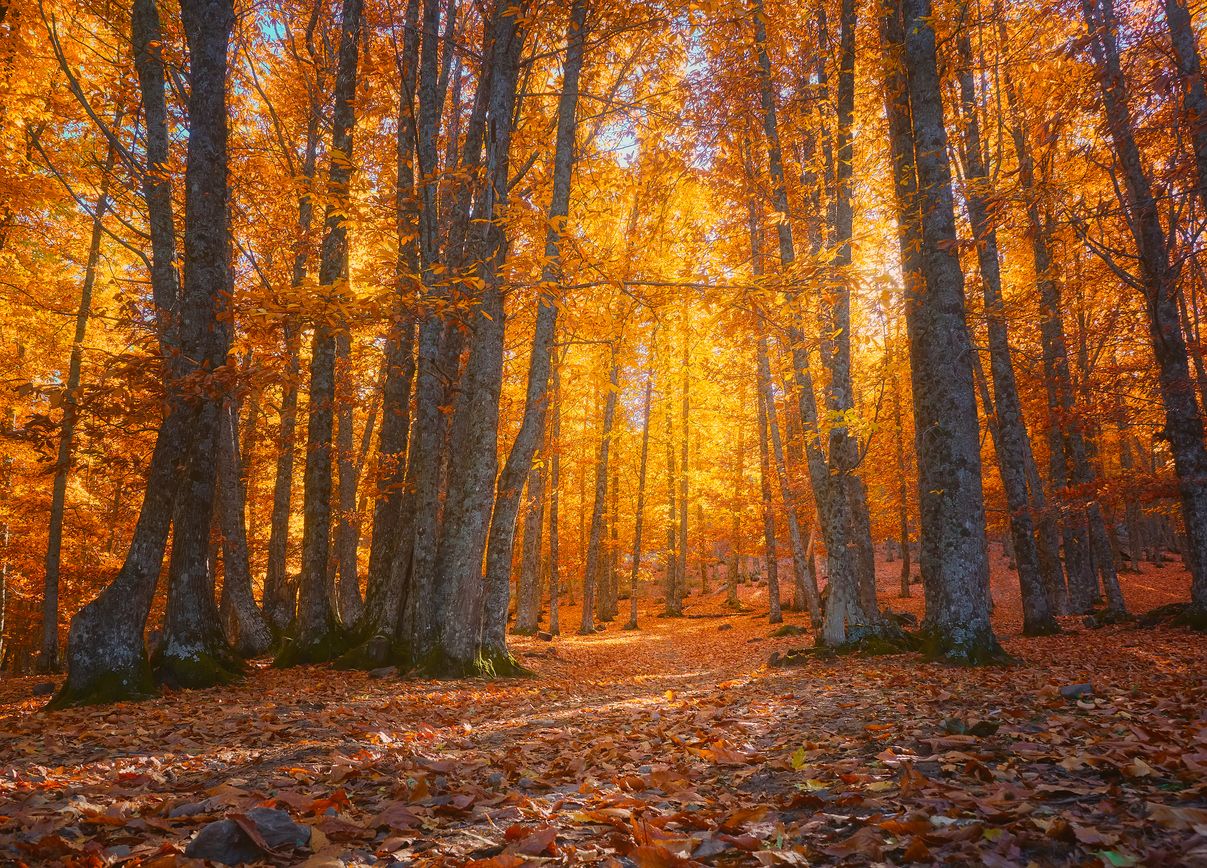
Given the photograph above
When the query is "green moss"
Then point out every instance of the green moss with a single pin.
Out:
(374, 653)
(979, 651)
(323, 649)
(206, 669)
(485, 664)
(107, 688)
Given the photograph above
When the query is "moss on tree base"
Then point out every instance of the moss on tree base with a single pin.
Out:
(374, 653)
(197, 670)
(488, 663)
(320, 649)
(981, 650)
(134, 686)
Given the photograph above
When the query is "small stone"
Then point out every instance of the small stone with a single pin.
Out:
(1076, 691)
(383, 672)
(193, 809)
(955, 726)
(983, 728)
(545, 636)
(775, 659)
(227, 843)
(724, 627)
(44, 689)
(600, 628)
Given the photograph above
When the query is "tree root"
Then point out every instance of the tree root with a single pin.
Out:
(1176, 615)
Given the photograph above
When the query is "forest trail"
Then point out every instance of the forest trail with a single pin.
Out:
(672, 746)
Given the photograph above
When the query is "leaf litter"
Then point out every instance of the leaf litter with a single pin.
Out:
(672, 746)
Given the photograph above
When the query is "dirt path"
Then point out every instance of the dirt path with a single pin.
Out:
(671, 746)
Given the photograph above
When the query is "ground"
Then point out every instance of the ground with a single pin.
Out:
(675, 745)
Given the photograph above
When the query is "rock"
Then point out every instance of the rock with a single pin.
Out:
(954, 726)
(229, 842)
(545, 636)
(724, 627)
(1076, 691)
(600, 628)
(774, 660)
(983, 728)
(194, 809)
(44, 689)
(383, 672)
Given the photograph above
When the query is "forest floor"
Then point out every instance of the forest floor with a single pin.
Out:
(671, 746)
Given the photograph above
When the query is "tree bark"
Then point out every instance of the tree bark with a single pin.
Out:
(771, 557)
(384, 592)
(194, 651)
(247, 629)
(519, 460)
(639, 514)
(595, 559)
(954, 559)
(1183, 421)
(107, 658)
(1011, 441)
(463, 648)
(315, 636)
(49, 658)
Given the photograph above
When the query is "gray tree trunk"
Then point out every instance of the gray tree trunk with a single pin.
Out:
(48, 661)
(474, 429)
(194, 652)
(315, 634)
(595, 559)
(1183, 421)
(519, 460)
(639, 516)
(107, 658)
(247, 629)
(954, 559)
(775, 614)
(1011, 441)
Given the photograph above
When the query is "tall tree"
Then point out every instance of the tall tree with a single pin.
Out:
(954, 558)
(315, 637)
(1157, 281)
(1012, 443)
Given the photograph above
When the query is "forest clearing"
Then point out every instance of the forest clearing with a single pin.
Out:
(673, 746)
(630, 432)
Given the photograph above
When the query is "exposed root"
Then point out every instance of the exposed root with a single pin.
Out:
(321, 649)
(491, 663)
(1176, 615)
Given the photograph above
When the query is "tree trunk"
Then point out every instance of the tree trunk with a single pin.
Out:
(519, 460)
(954, 559)
(194, 652)
(775, 614)
(639, 514)
(1183, 422)
(316, 636)
(247, 629)
(595, 560)
(1190, 75)
(1011, 441)
(555, 481)
(49, 659)
(528, 591)
(107, 658)
(384, 592)
(463, 647)
(674, 603)
(835, 489)
(346, 598)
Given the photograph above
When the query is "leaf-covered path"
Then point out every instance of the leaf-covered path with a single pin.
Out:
(672, 746)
